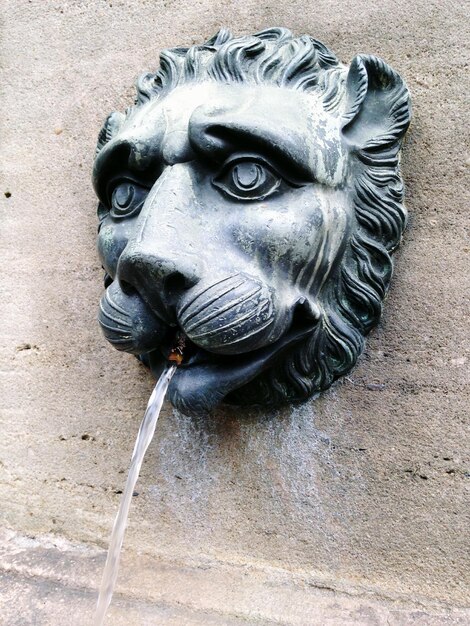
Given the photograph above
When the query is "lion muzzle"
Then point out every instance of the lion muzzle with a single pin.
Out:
(127, 322)
(235, 314)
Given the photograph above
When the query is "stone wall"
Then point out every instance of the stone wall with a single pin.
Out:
(243, 515)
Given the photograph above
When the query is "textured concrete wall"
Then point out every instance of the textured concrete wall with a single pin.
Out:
(362, 490)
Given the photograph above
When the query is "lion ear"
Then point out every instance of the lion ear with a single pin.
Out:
(110, 128)
(378, 108)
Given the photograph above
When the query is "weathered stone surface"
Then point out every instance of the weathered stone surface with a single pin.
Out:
(362, 489)
(59, 577)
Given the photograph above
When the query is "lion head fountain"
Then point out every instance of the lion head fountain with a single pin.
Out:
(251, 199)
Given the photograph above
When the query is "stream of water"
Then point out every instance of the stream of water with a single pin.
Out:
(144, 437)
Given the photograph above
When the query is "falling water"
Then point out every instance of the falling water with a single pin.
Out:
(144, 437)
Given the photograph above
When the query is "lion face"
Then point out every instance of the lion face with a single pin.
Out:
(227, 211)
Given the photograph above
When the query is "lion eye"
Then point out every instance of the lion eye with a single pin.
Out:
(127, 199)
(247, 180)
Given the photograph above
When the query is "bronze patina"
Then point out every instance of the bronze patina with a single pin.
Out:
(251, 199)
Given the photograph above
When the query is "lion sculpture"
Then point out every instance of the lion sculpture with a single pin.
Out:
(251, 199)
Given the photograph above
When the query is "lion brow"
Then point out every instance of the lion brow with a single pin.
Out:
(220, 140)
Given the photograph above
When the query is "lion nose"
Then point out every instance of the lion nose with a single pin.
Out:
(160, 280)
(159, 260)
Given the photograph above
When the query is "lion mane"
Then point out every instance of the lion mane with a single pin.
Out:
(350, 301)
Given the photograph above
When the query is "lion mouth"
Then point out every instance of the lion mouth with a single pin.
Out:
(207, 375)
(204, 379)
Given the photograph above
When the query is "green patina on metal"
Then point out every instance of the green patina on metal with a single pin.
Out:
(251, 199)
